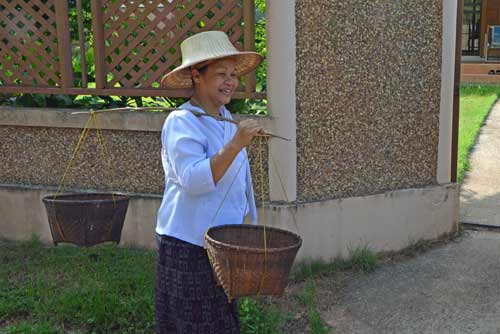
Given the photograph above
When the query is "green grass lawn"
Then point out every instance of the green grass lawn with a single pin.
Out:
(103, 289)
(66, 289)
(109, 289)
(475, 103)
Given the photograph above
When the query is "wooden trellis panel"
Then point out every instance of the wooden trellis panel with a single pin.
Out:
(29, 47)
(141, 38)
(135, 42)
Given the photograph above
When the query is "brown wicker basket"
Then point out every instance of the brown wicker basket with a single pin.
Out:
(86, 219)
(241, 264)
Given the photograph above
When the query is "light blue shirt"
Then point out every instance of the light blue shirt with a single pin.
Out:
(191, 199)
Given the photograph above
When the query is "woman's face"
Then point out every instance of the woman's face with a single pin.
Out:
(218, 81)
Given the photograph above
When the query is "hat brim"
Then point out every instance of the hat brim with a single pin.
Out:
(180, 77)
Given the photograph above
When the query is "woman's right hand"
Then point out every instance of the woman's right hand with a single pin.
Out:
(247, 129)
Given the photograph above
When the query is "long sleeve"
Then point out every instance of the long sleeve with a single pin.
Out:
(185, 149)
(191, 199)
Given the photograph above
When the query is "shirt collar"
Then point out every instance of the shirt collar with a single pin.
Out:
(189, 106)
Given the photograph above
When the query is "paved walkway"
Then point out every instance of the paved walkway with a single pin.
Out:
(452, 289)
(480, 193)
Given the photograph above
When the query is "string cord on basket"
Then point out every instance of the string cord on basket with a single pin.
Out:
(260, 160)
(220, 206)
(244, 161)
(81, 140)
(294, 214)
(101, 143)
(76, 152)
(104, 152)
(227, 193)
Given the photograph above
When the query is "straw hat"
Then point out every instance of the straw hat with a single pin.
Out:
(203, 47)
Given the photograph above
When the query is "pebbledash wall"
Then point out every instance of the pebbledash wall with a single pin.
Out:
(37, 145)
(363, 88)
(368, 95)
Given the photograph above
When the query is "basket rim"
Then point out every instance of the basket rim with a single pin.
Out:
(66, 197)
(214, 243)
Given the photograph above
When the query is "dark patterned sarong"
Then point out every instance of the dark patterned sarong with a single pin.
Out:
(188, 301)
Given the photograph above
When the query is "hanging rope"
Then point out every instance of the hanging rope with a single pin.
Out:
(76, 152)
(221, 204)
(101, 144)
(284, 191)
(104, 152)
(227, 193)
(260, 161)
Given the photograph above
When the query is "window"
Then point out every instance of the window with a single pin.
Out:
(471, 27)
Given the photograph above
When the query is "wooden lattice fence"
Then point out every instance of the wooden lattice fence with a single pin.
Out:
(134, 42)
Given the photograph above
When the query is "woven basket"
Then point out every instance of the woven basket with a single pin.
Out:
(243, 267)
(86, 219)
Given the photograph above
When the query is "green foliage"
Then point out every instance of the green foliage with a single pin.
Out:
(88, 41)
(479, 90)
(25, 327)
(316, 268)
(248, 107)
(363, 259)
(259, 317)
(41, 100)
(260, 44)
(4, 98)
(475, 103)
(77, 65)
(260, 5)
(308, 299)
(73, 18)
(360, 259)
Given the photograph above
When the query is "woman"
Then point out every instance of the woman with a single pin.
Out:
(207, 183)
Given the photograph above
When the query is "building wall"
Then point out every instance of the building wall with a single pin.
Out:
(329, 229)
(364, 116)
(368, 96)
(37, 145)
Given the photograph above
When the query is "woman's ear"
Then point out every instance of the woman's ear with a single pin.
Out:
(195, 75)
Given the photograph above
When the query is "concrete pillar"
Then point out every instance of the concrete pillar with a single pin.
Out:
(447, 85)
(280, 20)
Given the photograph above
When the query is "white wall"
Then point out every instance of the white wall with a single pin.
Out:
(383, 222)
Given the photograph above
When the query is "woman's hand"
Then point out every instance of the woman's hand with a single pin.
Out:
(247, 129)
(220, 162)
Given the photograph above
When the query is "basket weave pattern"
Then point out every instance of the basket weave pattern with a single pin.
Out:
(86, 219)
(244, 266)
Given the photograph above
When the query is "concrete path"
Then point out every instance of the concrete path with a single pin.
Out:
(452, 289)
(480, 192)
